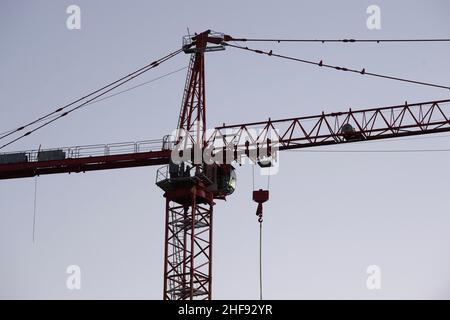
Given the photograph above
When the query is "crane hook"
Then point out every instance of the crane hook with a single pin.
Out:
(260, 196)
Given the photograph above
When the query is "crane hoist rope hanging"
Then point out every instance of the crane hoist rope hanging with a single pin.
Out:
(260, 196)
(260, 263)
(35, 206)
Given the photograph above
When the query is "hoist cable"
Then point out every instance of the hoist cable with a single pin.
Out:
(260, 263)
(253, 176)
(34, 207)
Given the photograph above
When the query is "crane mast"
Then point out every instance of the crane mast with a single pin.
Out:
(191, 188)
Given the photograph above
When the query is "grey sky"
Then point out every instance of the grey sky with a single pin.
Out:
(330, 215)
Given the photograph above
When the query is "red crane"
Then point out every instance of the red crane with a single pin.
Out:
(191, 187)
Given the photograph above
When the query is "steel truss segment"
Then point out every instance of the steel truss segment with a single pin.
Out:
(188, 245)
(192, 120)
(327, 129)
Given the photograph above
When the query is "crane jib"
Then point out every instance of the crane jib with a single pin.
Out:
(283, 134)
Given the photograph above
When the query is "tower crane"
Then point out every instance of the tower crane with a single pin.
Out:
(192, 187)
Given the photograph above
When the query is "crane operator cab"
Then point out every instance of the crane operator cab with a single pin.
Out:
(223, 178)
(220, 179)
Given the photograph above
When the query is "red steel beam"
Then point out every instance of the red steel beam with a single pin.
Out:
(292, 133)
(327, 128)
(36, 168)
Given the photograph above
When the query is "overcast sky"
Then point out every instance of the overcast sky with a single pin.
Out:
(330, 215)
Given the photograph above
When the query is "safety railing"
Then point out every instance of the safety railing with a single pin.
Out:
(162, 173)
(87, 151)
